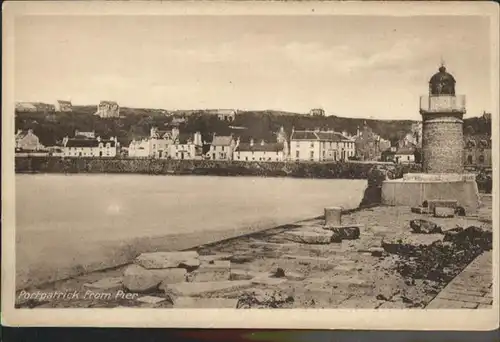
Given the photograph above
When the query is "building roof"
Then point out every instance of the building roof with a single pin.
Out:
(322, 136)
(406, 150)
(220, 111)
(21, 134)
(64, 102)
(222, 140)
(267, 147)
(478, 140)
(108, 102)
(184, 138)
(87, 142)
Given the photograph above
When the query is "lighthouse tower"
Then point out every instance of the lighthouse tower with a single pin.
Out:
(442, 138)
(442, 176)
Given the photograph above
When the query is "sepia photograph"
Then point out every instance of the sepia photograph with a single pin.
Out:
(165, 161)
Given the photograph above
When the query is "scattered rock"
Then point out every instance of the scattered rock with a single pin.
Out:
(444, 212)
(218, 270)
(197, 289)
(377, 251)
(158, 260)
(345, 233)
(140, 279)
(420, 226)
(151, 299)
(259, 298)
(294, 276)
(310, 237)
(460, 211)
(241, 258)
(205, 303)
(111, 283)
(278, 273)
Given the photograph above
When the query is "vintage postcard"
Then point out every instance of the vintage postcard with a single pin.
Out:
(250, 165)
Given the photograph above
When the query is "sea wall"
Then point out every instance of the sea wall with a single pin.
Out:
(328, 170)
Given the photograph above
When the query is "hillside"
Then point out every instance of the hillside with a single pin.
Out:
(135, 123)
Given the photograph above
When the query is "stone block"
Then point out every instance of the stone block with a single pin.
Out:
(205, 303)
(110, 283)
(433, 204)
(217, 271)
(158, 260)
(444, 212)
(140, 279)
(333, 216)
(419, 210)
(309, 237)
(202, 288)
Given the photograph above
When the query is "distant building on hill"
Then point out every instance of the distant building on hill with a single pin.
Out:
(108, 109)
(320, 146)
(63, 106)
(27, 141)
(222, 114)
(24, 107)
(82, 134)
(317, 112)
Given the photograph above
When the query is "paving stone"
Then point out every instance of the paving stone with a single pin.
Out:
(444, 212)
(464, 298)
(197, 289)
(312, 237)
(157, 260)
(464, 292)
(264, 280)
(440, 303)
(484, 306)
(237, 274)
(393, 305)
(110, 283)
(214, 257)
(151, 299)
(219, 270)
(205, 303)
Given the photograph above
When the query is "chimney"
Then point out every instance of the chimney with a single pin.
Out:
(262, 142)
(251, 142)
(99, 139)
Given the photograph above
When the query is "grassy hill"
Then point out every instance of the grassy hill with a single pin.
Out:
(51, 128)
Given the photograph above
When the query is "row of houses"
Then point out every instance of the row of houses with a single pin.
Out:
(105, 109)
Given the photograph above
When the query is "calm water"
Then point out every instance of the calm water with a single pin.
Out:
(62, 220)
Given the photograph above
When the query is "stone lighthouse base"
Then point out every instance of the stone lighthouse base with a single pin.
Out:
(415, 188)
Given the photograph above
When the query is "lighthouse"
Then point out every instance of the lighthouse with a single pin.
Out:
(442, 176)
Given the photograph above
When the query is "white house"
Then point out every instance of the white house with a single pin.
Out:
(155, 146)
(186, 146)
(405, 154)
(320, 146)
(221, 148)
(223, 114)
(270, 152)
(27, 141)
(90, 147)
(108, 109)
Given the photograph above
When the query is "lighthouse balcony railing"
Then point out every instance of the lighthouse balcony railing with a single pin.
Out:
(442, 103)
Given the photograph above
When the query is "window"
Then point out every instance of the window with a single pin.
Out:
(312, 144)
(246, 158)
(298, 144)
(481, 159)
(312, 155)
(469, 159)
(323, 154)
(222, 148)
(297, 154)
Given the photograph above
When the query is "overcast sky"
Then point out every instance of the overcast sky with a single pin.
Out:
(351, 66)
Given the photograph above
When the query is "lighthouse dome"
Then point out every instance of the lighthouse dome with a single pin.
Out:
(442, 83)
